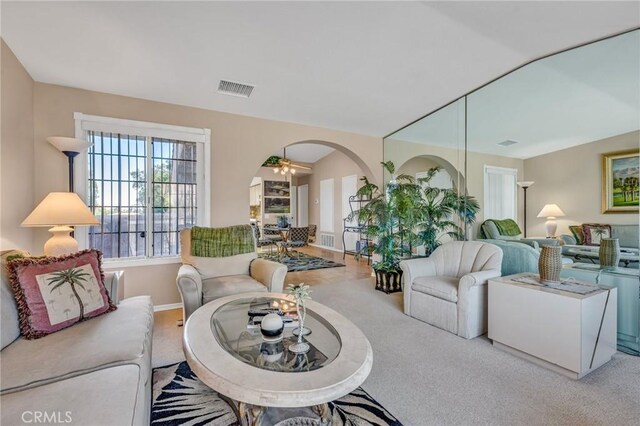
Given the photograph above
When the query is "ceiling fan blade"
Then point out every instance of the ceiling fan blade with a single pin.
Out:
(299, 166)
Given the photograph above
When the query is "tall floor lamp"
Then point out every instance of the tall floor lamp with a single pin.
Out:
(524, 185)
(70, 147)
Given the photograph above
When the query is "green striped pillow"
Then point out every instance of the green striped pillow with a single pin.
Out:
(578, 233)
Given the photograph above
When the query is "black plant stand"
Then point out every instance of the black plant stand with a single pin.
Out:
(389, 282)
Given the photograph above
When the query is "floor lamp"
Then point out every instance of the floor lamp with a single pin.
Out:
(524, 185)
(70, 147)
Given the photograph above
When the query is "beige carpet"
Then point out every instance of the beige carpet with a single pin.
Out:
(426, 376)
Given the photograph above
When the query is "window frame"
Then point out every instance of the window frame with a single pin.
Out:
(202, 136)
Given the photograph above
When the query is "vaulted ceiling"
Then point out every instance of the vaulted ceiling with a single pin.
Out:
(366, 67)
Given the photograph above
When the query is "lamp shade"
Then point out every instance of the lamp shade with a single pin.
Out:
(525, 184)
(65, 144)
(551, 210)
(61, 208)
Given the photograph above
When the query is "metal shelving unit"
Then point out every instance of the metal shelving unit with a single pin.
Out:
(359, 229)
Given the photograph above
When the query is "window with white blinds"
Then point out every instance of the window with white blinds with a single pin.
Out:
(500, 192)
(142, 188)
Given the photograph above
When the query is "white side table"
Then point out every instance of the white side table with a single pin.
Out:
(569, 333)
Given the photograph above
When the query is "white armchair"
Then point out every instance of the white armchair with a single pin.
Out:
(203, 279)
(449, 288)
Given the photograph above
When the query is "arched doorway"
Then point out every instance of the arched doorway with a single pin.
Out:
(422, 163)
(316, 195)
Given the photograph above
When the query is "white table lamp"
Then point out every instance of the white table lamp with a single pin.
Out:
(61, 210)
(551, 211)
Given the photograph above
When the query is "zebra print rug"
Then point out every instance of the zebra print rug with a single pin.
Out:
(180, 398)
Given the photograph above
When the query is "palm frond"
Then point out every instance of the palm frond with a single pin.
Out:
(389, 166)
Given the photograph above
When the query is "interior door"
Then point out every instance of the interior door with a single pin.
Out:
(303, 205)
(293, 202)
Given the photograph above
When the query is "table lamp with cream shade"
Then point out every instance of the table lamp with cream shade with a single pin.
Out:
(551, 211)
(61, 210)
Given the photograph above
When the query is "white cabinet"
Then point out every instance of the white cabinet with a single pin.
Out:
(570, 333)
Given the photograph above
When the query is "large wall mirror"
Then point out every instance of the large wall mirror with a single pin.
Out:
(549, 122)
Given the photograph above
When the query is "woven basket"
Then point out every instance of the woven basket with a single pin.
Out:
(609, 252)
(550, 263)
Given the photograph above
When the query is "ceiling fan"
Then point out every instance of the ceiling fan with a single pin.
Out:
(285, 165)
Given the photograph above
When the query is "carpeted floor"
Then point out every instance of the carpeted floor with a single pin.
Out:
(299, 261)
(426, 376)
(180, 398)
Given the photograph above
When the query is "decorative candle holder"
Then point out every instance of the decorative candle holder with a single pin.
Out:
(609, 252)
(550, 264)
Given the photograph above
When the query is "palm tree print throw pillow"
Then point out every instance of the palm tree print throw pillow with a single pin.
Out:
(53, 293)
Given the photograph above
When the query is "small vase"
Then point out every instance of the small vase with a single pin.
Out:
(550, 264)
(609, 252)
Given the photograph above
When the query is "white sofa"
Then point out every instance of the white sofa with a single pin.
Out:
(97, 372)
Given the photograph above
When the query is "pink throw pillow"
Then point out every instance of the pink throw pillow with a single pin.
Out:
(53, 293)
(594, 232)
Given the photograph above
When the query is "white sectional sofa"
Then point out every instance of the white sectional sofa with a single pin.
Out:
(97, 372)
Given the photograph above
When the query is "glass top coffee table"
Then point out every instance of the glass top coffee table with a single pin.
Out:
(240, 364)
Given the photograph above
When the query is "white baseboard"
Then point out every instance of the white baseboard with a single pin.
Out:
(325, 248)
(168, 307)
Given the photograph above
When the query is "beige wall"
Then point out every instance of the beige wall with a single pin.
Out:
(16, 152)
(571, 178)
(239, 144)
(335, 165)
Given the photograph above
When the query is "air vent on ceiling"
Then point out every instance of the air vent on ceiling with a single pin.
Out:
(508, 142)
(235, 89)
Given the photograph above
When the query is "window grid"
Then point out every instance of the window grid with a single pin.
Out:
(131, 205)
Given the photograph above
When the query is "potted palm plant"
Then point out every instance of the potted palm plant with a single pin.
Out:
(439, 207)
(390, 217)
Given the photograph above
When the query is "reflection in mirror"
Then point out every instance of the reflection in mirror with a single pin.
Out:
(546, 126)
(433, 141)
(549, 123)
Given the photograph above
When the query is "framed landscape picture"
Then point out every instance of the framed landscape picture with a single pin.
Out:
(620, 174)
(277, 205)
(276, 188)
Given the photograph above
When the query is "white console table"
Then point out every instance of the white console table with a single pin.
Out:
(570, 333)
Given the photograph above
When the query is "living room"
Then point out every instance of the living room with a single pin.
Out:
(535, 123)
